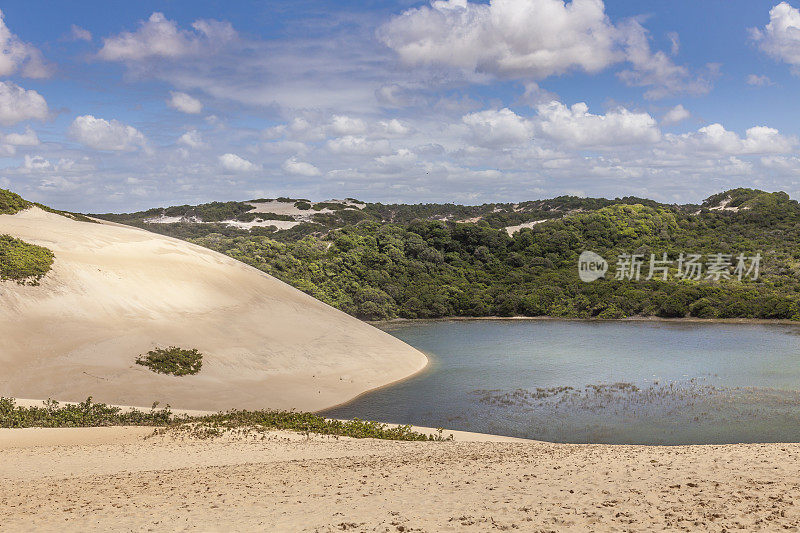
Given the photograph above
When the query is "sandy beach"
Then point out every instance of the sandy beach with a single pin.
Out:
(116, 480)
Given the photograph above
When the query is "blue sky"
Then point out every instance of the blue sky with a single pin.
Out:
(115, 106)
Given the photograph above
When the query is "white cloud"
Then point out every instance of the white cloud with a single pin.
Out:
(102, 134)
(80, 34)
(535, 39)
(160, 38)
(184, 103)
(36, 163)
(352, 145)
(300, 168)
(191, 138)
(675, 115)
(18, 104)
(714, 138)
(29, 138)
(18, 56)
(498, 128)
(575, 126)
(235, 163)
(528, 38)
(344, 125)
(657, 72)
(394, 127)
(780, 38)
(759, 81)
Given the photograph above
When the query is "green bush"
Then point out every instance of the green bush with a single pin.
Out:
(303, 206)
(173, 360)
(23, 262)
(11, 203)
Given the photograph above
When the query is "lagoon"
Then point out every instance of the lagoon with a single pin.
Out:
(616, 382)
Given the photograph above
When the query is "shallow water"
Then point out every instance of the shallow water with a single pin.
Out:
(609, 382)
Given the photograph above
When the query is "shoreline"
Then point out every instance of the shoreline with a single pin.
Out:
(681, 320)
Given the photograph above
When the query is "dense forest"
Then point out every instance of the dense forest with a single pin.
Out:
(419, 261)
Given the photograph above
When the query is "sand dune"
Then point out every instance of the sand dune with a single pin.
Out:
(116, 292)
(288, 482)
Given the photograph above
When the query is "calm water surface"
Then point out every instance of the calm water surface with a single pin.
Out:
(611, 382)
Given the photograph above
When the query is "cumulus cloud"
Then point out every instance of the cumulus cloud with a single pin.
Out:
(529, 38)
(18, 104)
(36, 163)
(780, 38)
(714, 138)
(300, 168)
(184, 103)
(158, 37)
(191, 138)
(575, 126)
(344, 125)
(535, 39)
(29, 138)
(235, 163)
(675, 115)
(102, 134)
(498, 128)
(18, 56)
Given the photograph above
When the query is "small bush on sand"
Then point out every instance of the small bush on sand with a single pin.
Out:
(173, 360)
(22, 262)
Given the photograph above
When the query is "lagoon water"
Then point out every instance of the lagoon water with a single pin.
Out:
(601, 382)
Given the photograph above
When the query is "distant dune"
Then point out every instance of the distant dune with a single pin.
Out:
(116, 292)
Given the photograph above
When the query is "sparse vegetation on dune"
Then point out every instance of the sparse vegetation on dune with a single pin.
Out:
(23, 262)
(52, 414)
(174, 361)
(11, 203)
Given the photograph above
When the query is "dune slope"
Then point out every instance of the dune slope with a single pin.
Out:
(116, 292)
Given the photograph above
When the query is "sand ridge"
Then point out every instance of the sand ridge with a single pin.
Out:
(116, 292)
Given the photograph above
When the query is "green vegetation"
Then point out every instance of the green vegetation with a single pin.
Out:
(418, 261)
(23, 262)
(11, 203)
(85, 414)
(173, 360)
(303, 206)
(89, 414)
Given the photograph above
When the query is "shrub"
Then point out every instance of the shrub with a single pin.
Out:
(173, 360)
(303, 206)
(11, 203)
(23, 262)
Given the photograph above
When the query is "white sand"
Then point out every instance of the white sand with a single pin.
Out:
(513, 229)
(110, 479)
(116, 292)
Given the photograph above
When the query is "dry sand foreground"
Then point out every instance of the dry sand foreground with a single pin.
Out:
(290, 483)
(116, 292)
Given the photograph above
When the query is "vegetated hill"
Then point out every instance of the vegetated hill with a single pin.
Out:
(418, 261)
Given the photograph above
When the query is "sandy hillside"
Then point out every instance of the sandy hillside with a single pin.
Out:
(116, 292)
(290, 483)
